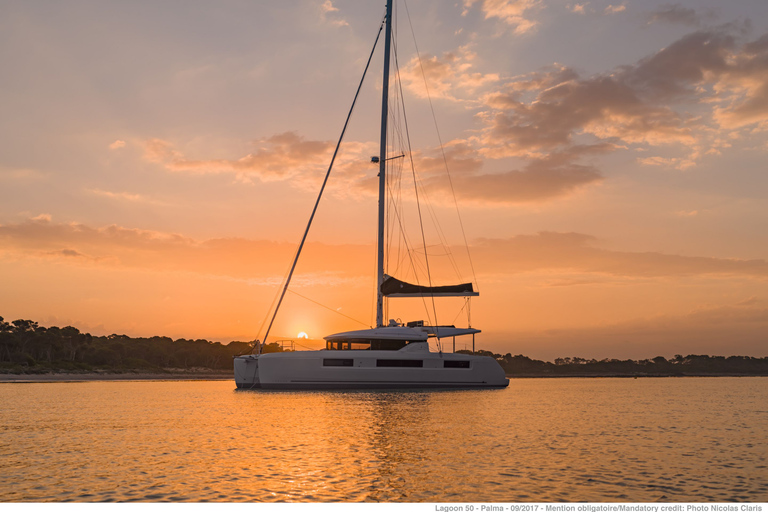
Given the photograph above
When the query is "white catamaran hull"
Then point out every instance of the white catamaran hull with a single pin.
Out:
(374, 369)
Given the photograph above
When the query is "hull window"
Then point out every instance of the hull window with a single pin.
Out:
(338, 362)
(400, 363)
(455, 364)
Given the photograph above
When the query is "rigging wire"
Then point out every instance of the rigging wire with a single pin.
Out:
(328, 308)
(266, 315)
(398, 211)
(442, 149)
(415, 185)
(325, 181)
(397, 203)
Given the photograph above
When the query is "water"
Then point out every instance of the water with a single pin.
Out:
(683, 439)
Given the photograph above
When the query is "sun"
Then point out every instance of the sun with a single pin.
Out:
(302, 334)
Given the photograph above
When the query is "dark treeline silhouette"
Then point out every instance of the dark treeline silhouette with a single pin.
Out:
(521, 365)
(29, 348)
(25, 346)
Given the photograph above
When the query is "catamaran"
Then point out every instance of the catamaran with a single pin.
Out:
(394, 355)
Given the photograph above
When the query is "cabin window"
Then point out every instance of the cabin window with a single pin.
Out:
(338, 362)
(348, 345)
(363, 344)
(400, 363)
(455, 364)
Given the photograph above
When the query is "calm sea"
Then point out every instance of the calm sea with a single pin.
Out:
(667, 439)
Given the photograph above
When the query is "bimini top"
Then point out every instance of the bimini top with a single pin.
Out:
(392, 287)
(381, 333)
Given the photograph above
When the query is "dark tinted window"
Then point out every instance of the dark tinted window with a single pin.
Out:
(338, 362)
(388, 344)
(455, 364)
(361, 344)
(400, 363)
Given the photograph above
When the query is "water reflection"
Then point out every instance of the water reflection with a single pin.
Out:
(543, 440)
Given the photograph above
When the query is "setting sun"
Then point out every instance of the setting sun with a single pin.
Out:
(302, 335)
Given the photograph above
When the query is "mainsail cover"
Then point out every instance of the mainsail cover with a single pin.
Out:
(392, 287)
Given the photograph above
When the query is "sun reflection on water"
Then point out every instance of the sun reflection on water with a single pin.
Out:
(560, 439)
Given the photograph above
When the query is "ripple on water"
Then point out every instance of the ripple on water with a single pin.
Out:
(538, 440)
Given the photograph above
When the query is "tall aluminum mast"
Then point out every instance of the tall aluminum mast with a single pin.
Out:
(383, 166)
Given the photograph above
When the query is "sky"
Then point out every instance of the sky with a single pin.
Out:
(159, 162)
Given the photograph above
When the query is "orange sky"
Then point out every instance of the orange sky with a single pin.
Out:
(158, 165)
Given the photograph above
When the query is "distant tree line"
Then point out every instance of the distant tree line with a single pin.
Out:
(677, 366)
(28, 347)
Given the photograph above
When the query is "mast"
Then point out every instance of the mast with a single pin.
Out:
(383, 167)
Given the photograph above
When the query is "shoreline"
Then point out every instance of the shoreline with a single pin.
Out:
(627, 375)
(22, 378)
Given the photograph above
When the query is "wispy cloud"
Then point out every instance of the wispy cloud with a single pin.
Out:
(614, 9)
(577, 8)
(676, 14)
(121, 196)
(580, 255)
(541, 179)
(449, 76)
(277, 158)
(43, 217)
(717, 330)
(581, 252)
(329, 14)
(118, 246)
(20, 174)
(676, 163)
(516, 13)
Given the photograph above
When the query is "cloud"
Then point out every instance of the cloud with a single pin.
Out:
(694, 95)
(554, 175)
(614, 9)
(679, 70)
(459, 155)
(449, 76)
(280, 157)
(516, 13)
(694, 98)
(326, 9)
(743, 88)
(541, 179)
(715, 330)
(751, 301)
(70, 253)
(122, 196)
(674, 13)
(546, 110)
(578, 252)
(117, 144)
(254, 261)
(677, 163)
(20, 175)
(577, 8)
